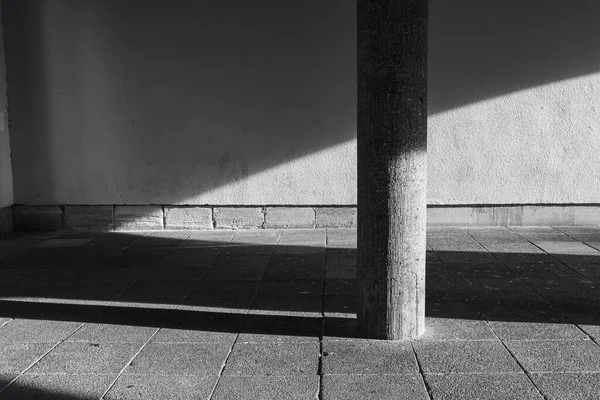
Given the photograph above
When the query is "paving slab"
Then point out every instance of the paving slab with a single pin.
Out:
(568, 386)
(16, 357)
(341, 272)
(299, 306)
(368, 357)
(36, 331)
(279, 359)
(518, 330)
(300, 387)
(112, 333)
(380, 387)
(86, 358)
(179, 359)
(280, 329)
(557, 355)
(464, 357)
(58, 386)
(161, 387)
(233, 273)
(482, 387)
(207, 330)
(290, 289)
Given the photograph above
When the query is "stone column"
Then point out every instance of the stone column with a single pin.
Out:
(392, 166)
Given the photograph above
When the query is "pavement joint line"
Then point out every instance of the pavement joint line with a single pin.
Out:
(322, 333)
(421, 373)
(565, 316)
(220, 375)
(557, 259)
(490, 326)
(128, 363)
(496, 334)
(2, 389)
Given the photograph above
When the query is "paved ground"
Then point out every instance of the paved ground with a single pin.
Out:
(512, 314)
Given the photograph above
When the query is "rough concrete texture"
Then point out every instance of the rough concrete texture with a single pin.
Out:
(238, 217)
(267, 388)
(160, 387)
(58, 386)
(371, 358)
(568, 386)
(137, 218)
(38, 218)
(197, 218)
(481, 386)
(507, 124)
(80, 329)
(289, 217)
(94, 218)
(335, 217)
(85, 358)
(382, 387)
(279, 359)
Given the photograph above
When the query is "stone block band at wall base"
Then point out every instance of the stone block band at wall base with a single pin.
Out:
(171, 217)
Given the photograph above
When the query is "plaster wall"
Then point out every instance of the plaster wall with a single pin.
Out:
(6, 183)
(236, 102)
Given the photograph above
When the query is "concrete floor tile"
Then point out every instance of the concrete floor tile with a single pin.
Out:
(300, 306)
(156, 292)
(107, 333)
(280, 359)
(456, 329)
(290, 289)
(36, 331)
(340, 306)
(464, 357)
(179, 359)
(5, 379)
(216, 305)
(381, 387)
(162, 387)
(568, 386)
(565, 247)
(482, 387)
(368, 357)
(217, 328)
(250, 260)
(58, 387)
(515, 330)
(280, 329)
(340, 272)
(85, 358)
(228, 290)
(557, 355)
(267, 388)
(233, 273)
(341, 287)
(16, 357)
(287, 273)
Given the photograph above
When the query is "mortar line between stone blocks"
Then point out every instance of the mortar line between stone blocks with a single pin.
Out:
(2, 389)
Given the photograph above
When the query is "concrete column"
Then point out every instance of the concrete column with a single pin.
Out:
(392, 166)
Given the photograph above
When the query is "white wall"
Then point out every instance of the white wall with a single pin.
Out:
(6, 184)
(237, 102)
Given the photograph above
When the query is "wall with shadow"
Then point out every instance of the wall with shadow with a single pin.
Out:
(6, 186)
(237, 102)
